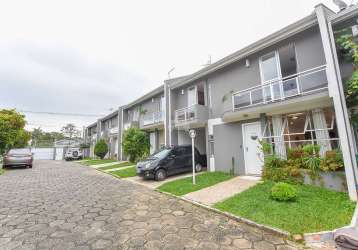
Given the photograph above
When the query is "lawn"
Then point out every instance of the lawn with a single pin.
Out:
(125, 173)
(185, 185)
(315, 209)
(96, 162)
(123, 164)
(2, 171)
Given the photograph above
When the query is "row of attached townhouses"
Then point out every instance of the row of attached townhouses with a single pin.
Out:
(285, 88)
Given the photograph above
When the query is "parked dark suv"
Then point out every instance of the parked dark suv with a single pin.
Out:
(170, 161)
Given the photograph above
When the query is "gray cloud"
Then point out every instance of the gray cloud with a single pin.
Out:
(60, 79)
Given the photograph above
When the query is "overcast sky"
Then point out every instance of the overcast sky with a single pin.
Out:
(86, 57)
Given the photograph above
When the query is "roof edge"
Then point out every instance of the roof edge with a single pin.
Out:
(290, 30)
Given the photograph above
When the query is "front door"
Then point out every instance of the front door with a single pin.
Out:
(252, 151)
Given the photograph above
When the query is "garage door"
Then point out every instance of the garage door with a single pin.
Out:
(43, 153)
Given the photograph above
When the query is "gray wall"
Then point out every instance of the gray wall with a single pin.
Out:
(228, 144)
(150, 106)
(200, 139)
(309, 53)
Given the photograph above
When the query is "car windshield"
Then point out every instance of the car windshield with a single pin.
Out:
(20, 151)
(161, 154)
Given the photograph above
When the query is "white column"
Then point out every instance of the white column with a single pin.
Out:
(280, 147)
(322, 135)
(337, 93)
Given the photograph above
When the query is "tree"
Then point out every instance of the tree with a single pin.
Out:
(12, 131)
(101, 148)
(135, 144)
(41, 138)
(348, 49)
(22, 139)
(70, 131)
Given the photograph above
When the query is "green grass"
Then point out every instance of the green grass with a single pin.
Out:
(97, 162)
(125, 173)
(124, 164)
(2, 171)
(315, 209)
(185, 185)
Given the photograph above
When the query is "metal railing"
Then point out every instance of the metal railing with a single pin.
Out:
(152, 118)
(185, 114)
(194, 112)
(302, 83)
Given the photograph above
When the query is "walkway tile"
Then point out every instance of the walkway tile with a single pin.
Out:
(119, 168)
(106, 164)
(61, 205)
(221, 191)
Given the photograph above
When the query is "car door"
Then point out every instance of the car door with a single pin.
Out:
(188, 159)
(179, 162)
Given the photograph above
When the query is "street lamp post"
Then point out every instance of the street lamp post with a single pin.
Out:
(192, 134)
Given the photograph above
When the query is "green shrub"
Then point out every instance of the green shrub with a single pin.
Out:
(295, 153)
(277, 169)
(332, 162)
(283, 192)
(311, 150)
(101, 148)
(135, 144)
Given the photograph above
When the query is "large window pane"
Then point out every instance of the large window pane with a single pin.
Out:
(269, 67)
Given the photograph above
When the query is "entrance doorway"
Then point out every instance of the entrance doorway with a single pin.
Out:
(252, 151)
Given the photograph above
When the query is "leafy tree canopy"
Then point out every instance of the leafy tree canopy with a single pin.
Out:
(12, 132)
(41, 138)
(348, 49)
(135, 144)
(101, 148)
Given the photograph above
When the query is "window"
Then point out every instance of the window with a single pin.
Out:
(192, 96)
(269, 67)
(312, 127)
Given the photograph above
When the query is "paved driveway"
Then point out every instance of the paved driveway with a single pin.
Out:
(58, 205)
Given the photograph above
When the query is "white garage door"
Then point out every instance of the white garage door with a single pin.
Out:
(43, 153)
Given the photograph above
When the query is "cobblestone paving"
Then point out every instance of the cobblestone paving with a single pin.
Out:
(58, 205)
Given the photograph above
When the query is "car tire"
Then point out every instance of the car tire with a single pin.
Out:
(160, 175)
(30, 166)
(198, 167)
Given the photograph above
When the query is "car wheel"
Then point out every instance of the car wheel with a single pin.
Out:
(30, 166)
(160, 175)
(198, 167)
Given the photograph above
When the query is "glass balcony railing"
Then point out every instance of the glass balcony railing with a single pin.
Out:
(302, 83)
(194, 113)
(152, 118)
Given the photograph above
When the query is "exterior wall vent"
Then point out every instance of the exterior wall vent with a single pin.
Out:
(247, 63)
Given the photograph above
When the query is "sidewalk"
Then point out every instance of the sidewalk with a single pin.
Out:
(152, 184)
(106, 164)
(221, 191)
(119, 168)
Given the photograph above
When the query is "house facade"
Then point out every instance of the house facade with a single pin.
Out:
(286, 89)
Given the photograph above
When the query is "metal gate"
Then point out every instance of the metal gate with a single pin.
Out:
(43, 153)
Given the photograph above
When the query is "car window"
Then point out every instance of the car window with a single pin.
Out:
(179, 151)
(161, 154)
(20, 151)
(188, 150)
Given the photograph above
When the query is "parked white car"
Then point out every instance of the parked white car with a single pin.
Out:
(73, 154)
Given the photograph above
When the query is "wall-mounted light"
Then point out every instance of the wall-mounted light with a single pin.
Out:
(247, 63)
(152, 99)
(182, 91)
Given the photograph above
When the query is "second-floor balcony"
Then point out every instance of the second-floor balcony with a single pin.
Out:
(152, 120)
(130, 124)
(192, 116)
(304, 83)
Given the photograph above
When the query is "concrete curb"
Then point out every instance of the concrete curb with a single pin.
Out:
(272, 230)
(318, 237)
